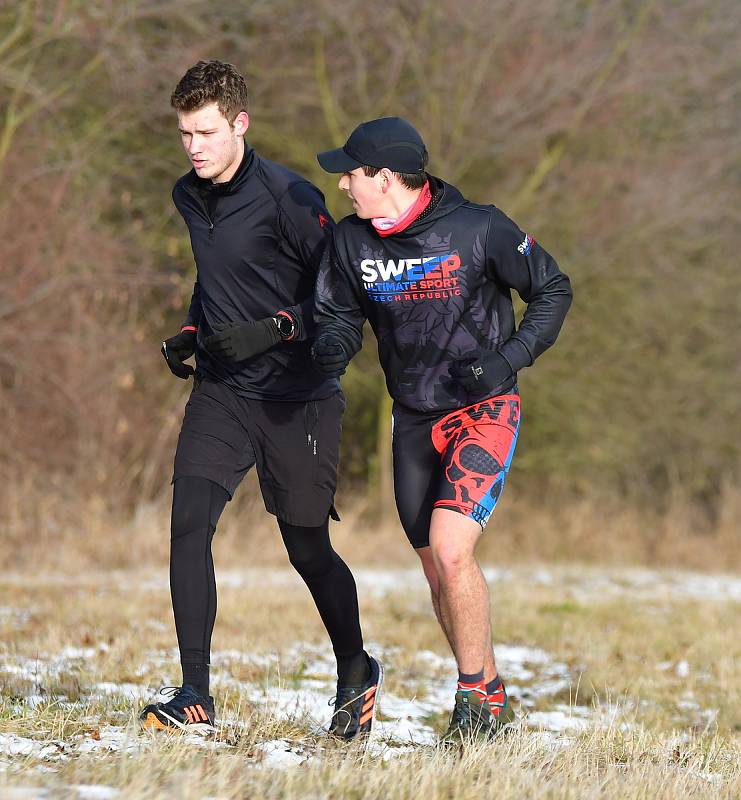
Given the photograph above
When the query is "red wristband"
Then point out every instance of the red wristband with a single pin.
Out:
(189, 328)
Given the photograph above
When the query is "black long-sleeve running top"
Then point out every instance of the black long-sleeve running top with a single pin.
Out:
(439, 291)
(257, 242)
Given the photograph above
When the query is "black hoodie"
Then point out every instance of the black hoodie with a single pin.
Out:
(439, 291)
(257, 242)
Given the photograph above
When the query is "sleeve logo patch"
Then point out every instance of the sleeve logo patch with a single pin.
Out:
(323, 221)
(526, 245)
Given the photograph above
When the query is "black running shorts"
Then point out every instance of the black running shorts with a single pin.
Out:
(456, 460)
(295, 447)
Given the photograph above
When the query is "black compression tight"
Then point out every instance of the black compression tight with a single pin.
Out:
(197, 504)
(333, 588)
(196, 508)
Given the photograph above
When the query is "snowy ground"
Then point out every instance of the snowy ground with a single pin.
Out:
(536, 680)
(532, 675)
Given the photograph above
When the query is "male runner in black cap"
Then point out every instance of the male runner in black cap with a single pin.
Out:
(432, 272)
(258, 232)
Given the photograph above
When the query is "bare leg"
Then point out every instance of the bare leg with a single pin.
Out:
(428, 566)
(460, 595)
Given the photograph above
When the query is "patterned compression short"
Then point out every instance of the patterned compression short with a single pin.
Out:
(458, 461)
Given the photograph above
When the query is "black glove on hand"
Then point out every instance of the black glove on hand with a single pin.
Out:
(330, 355)
(234, 343)
(482, 373)
(176, 349)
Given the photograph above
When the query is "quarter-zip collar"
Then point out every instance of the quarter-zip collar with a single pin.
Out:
(206, 193)
(245, 169)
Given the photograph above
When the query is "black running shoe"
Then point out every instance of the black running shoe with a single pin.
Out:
(355, 706)
(187, 710)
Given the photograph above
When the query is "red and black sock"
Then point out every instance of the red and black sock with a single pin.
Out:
(497, 695)
(472, 682)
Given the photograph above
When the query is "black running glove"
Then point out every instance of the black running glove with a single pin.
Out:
(482, 373)
(235, 343)
(176, 349)
(330, 355)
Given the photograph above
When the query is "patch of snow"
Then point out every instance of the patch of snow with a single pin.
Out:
(280, 754)
(77, 653)
(114, 739)
(220, 658)
(436, 662)
(682, 669)
(710, 777)
(94, 791)
(111, 739)
(592, 583)
(293, 704)
(407, 715)
(17, 617)
(404, 721)
(12, 745)
(378, 582)
(131, 691)
(557, 721)
(583, 582)
(35, 700)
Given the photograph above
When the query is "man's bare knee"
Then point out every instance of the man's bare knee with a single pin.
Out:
(451, 560)
(453, 539)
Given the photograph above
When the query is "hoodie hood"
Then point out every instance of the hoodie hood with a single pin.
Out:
(445, 199)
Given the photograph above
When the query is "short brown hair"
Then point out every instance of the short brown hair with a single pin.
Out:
(411, 180)
(211, 82)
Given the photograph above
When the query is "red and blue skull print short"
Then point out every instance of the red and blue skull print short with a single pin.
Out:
(456, 460)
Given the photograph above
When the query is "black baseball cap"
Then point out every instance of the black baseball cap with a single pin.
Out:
(389, 142)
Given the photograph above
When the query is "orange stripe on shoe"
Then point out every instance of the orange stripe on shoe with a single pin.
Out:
(365, 718)
(152, 722)
(189, 713)
(204, 715)
(370, 692)
(368, 705)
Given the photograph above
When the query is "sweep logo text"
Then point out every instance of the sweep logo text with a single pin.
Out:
(411, 278)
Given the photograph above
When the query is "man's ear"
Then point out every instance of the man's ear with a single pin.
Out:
(387, 179)
(241, 123)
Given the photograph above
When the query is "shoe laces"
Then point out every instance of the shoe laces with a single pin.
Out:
(170, 691)
(343, 714)
(461, 715)
(345, 696)
(179, 694)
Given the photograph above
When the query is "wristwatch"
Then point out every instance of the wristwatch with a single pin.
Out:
(285, 325)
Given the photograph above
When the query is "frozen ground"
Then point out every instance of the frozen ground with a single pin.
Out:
(533, 675)
(536, 680)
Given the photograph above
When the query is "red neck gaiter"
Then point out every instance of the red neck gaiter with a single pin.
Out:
(386, 226)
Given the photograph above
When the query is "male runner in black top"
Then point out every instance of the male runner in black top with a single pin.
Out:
(258, 232)
(432, 272)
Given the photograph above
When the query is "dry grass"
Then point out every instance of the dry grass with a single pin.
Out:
(645, 665)
(59, 533)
